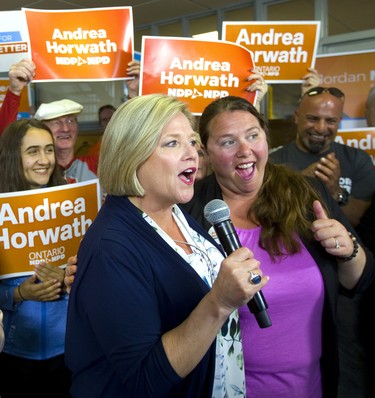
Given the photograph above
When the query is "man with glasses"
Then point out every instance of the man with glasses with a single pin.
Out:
(61, 118)
(348, 172)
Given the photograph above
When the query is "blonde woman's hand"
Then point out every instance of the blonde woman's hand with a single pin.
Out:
(70, 271)
(233, 287)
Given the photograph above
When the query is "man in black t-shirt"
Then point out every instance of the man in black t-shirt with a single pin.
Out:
(348, 172)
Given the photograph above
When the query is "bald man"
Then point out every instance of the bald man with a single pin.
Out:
(348, 172)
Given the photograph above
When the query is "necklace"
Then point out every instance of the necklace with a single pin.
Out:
(205, 258)
(199, 258)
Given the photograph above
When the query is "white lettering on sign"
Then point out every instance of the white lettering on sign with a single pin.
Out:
(270, 38)
(81, 48)
(48, 255)
(79, 34)
(294, 54)
(199, 64)
(43, 212)
(366, 143)
(102, 44)
(199, 81)
(13, 48)
(20, 240)
(343, 78)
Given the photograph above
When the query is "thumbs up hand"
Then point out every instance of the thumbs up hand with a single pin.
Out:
(331, 234)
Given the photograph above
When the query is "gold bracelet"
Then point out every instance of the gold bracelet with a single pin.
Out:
(19, 293)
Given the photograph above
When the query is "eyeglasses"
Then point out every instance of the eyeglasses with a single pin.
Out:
(58, 123)
(336, 92)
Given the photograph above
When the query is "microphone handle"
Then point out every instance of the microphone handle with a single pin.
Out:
(258, 306)
(230, 242)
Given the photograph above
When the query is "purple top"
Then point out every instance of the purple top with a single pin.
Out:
(293, 344)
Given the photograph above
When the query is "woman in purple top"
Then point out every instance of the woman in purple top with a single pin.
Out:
(303, 242)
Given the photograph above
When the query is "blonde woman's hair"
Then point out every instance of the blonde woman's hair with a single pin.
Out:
(131, 137)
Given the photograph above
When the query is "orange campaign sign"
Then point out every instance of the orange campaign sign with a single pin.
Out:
(195, 71)
(282, 51)
(44, 225)
(354, 74)
(362, 138)
(83, 44)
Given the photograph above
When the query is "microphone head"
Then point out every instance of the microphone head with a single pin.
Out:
(216, 211)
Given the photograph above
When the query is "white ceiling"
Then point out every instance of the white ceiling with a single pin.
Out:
(344, 15)
(144, 11)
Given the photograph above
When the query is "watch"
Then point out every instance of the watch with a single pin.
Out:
(342, 197)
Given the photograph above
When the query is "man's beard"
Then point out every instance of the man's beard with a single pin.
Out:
(316, 146)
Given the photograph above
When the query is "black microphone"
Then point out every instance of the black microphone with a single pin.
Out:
(217, 213)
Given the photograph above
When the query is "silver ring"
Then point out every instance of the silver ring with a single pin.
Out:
(254, 279)
(337, 245)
